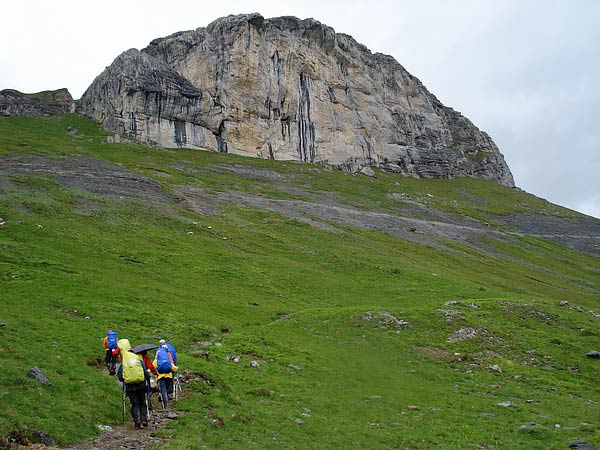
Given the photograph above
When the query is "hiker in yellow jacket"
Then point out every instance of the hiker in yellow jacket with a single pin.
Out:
(163, 362)
(132, 373)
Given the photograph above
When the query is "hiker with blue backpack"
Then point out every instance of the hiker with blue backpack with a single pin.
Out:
(132, 373)
(110, 345)
(165, 364)
(171, 348)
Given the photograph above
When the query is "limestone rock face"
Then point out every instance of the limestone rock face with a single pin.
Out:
(288, 89)
(15, 103)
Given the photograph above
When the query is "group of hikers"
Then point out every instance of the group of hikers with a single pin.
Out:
(139, 374)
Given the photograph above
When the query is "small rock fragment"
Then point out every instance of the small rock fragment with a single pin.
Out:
(506, 404)
(495, 368)
(218, 422)
(368, 172)
(593, 354)
(581, 444)
(42, 438)
(529, 426)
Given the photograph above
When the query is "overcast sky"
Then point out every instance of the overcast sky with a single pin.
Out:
(525, 71)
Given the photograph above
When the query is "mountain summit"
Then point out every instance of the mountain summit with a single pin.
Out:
(288, 89)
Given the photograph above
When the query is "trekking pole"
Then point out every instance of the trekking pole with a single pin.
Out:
(177, 386)
(149, 407)
(123, 400)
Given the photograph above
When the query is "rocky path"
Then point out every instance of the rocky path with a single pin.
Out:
(123, 436)
(127, 437)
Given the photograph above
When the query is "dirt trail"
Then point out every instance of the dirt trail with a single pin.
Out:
(127, 437)
(120, 437)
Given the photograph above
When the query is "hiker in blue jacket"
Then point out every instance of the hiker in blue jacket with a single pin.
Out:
(110, 344)
(171, 349)
(164, 362)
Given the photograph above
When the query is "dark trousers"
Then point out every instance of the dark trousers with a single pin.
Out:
(137, 397)
(111, 362)
(165, 385)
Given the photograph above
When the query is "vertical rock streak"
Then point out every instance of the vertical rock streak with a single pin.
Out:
(306, 129)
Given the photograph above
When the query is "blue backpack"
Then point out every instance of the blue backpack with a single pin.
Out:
(163, 361)
(112, 340)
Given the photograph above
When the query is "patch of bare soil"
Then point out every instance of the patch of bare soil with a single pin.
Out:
(99, 177)
(581, 233)
(414, 222)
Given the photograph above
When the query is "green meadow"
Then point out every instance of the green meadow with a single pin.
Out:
(362, 339)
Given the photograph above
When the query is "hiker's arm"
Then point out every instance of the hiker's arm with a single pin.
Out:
(146, 374)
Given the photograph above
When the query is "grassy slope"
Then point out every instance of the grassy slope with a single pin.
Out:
(292, 296)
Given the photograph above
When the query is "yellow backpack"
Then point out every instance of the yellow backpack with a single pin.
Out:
(133, 371)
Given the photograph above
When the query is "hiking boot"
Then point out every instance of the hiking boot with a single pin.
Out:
(144, 424)
(138, 426)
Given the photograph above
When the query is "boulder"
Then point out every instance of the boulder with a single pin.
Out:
(368, 172)
(36, 373)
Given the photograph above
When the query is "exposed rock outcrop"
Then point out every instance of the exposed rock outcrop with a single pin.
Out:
(15, 103)
(292, 89)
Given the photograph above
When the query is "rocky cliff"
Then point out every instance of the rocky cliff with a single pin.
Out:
(285, 88)
(15, 103)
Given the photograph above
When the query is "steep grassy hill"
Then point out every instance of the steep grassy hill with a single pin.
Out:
(383, 312)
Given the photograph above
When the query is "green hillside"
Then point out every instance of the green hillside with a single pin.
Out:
(364, 338)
